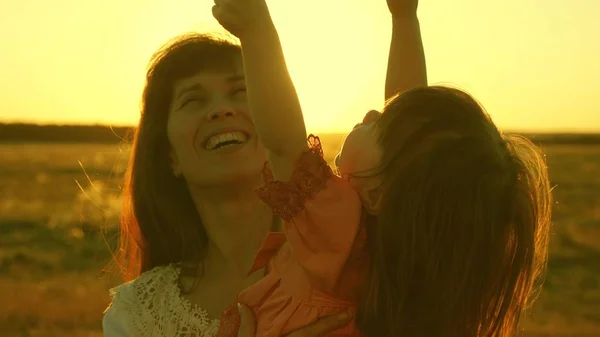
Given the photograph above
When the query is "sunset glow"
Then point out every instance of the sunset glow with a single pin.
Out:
(532, 63)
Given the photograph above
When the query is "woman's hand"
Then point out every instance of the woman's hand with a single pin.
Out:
(403, 8)
(320, 328)
(242, 17)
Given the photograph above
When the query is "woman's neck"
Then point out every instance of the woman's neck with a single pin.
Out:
(236, 223)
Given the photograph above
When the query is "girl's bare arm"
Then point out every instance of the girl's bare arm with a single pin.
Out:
(273, 101)
(406, 63)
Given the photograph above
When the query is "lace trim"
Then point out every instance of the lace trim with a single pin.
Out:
(310, 176)
(155, 306)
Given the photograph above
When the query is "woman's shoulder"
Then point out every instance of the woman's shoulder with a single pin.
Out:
(152, 304)
(143, 291)
(149, 284)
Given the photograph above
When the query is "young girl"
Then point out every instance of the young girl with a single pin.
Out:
(443, 218)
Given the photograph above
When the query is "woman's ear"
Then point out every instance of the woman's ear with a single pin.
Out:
(175, 164)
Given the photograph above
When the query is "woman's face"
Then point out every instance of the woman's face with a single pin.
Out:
(211, 131)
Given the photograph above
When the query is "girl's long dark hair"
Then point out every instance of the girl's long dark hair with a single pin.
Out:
(462, 235)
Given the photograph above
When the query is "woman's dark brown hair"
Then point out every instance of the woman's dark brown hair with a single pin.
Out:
(160, 224)
(462, 236)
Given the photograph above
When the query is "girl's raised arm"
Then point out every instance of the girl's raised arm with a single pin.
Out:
(406, 63)
(273, 100)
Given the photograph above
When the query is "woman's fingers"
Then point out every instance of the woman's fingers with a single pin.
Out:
(248, 324)
(323, 326)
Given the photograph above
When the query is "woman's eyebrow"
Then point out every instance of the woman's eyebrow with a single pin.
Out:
(236, 78)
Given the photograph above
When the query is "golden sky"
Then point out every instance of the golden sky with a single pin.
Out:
(534, 64)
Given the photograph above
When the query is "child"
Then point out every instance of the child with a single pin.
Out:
(478, 212)
(316, 265)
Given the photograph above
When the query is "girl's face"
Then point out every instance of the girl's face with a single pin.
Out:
(360, 157)
(360, 153)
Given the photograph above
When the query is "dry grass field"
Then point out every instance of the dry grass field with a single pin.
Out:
(59, 206)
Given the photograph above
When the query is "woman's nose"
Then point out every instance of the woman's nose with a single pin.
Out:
(221, 112)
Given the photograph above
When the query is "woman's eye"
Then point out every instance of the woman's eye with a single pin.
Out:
(192, 100)
(240, 93)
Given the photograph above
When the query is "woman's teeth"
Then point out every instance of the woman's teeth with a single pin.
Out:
(225, 139)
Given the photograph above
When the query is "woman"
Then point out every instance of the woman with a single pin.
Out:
(192, 221)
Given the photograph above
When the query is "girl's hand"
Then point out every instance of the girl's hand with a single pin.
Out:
(371, 116)
(403, 8)
(242, 17)
(318, 329)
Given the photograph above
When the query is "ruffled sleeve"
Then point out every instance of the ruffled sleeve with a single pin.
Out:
(320, 213)
(269, 248)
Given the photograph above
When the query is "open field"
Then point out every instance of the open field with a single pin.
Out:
(59, 207)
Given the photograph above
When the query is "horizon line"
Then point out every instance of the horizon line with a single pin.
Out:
(99, 124)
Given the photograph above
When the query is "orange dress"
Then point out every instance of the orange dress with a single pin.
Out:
(316, 265)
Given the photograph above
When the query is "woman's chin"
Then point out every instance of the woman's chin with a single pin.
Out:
(242, 175)
(236, 163)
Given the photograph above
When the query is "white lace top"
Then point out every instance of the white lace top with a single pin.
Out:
(151, 305)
